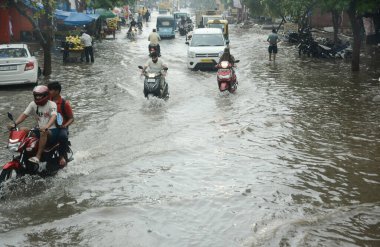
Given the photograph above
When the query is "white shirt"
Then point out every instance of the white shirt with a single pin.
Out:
(155, 67)
(86, 40)
(42, 113)
(154, 38)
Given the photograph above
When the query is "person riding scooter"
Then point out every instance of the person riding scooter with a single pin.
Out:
(154, 37)
(155, 65)
(139, 21)
(46, 114)
(227, 56)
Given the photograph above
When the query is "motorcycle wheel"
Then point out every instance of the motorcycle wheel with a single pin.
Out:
(6, 175)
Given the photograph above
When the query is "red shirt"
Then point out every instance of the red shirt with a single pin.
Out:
(68, 110)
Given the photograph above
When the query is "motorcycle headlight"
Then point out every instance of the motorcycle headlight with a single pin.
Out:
(191, 54)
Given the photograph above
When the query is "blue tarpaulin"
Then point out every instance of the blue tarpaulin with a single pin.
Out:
(61, 15)
(78, 19)
(33, 4)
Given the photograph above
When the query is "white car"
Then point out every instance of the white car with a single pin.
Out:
(205, 47)
(17, 65)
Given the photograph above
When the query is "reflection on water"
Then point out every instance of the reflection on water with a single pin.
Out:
(290, 159)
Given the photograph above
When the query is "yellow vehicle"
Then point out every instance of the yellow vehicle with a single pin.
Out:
(222, 24)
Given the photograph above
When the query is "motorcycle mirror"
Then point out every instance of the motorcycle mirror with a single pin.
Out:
(10, 116)
(140, 67)
(165, 69)
(236, 61)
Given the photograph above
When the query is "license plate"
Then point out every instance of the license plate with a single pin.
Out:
(206, 60)
(151, 80)
(6, 68)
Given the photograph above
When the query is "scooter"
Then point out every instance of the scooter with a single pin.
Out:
(24, 145)
(152, 85)
(132, 34)
(226, 76)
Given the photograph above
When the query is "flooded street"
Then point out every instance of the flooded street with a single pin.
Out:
(291, 159)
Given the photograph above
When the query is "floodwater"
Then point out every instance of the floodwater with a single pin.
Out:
(291, 159)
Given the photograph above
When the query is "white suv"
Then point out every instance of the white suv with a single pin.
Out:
(205, 48)
(17, 65)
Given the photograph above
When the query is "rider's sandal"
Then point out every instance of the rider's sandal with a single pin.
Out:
(34, 160)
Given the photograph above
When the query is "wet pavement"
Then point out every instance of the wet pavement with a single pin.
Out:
(291, 159)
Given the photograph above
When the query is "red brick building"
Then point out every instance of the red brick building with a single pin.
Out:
(11, 22)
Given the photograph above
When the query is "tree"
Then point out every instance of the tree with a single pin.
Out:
(42, 17)
(355, 10)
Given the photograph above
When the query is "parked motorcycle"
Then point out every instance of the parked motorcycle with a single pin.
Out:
(226, 76)
(25, 146)
(152, 85)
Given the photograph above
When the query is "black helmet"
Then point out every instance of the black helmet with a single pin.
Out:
(153, 55)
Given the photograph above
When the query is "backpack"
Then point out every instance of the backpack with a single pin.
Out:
(60, 117)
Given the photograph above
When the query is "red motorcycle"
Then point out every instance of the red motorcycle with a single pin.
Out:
(25, 145)
(226, 76)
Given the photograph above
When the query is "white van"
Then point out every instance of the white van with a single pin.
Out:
(205, 48)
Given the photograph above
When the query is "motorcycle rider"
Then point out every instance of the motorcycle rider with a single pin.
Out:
(154, 37)
(182, 23)
(63, 108)
(189, 23)
(131, 25)
(46, 114)
(155, 65)
(140, 20)
(227, 56)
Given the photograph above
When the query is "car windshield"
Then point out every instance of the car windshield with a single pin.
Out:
(13, 52)
(178, 15)
(213, 25)
(164, 23)
(207, 40)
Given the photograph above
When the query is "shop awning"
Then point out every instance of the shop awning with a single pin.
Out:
(104, 13)
(78, 19)
(93, 16)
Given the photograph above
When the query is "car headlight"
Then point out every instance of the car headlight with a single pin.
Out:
(191, 54)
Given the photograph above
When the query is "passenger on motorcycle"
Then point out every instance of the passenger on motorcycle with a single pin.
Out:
(154, 38)
(155, 65)
(63, 108)
(46, 114)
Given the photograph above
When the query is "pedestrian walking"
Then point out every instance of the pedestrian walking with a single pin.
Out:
(87, 43)
(272, 40)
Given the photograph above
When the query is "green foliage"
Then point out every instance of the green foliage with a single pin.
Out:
(109, 4)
